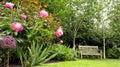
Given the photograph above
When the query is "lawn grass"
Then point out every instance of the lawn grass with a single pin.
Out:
(85, 63)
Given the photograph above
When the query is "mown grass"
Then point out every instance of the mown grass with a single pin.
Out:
(85, 63)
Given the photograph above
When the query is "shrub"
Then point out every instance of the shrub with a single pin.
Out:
(64, 53)
(114, 53)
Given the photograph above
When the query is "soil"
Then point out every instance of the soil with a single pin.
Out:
(18, 65)
(15, 66)
(53, 61)
(12, 66)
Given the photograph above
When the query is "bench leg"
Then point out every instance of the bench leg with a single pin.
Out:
(101, 56)
(81, 56)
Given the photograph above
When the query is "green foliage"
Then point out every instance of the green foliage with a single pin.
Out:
(64, 53)
(35, 55)
(113, 43)
(85, 18)
(58, 8)
(113, 47)
(79, 24)
(114, 53)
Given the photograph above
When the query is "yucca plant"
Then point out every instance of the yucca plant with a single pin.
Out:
(36, 55)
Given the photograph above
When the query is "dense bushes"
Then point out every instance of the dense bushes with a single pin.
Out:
(64, 53)
(114, 53)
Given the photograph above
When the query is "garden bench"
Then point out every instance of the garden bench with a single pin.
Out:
(89, 50)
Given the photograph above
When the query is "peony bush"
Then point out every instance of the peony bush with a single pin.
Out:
(20, 25)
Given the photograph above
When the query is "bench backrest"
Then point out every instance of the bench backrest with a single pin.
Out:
(88, 50)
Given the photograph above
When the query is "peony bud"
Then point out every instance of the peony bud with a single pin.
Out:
(61, 41)
(24, 16)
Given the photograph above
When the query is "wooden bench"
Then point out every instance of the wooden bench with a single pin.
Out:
(90, 50)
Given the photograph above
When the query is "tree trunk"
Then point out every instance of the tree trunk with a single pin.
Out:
(74, 37)
(104, 48)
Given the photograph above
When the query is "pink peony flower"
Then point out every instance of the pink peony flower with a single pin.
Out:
(23, 16)
(17, 26)
(9, 5)
(59, 32)
(43, 13)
